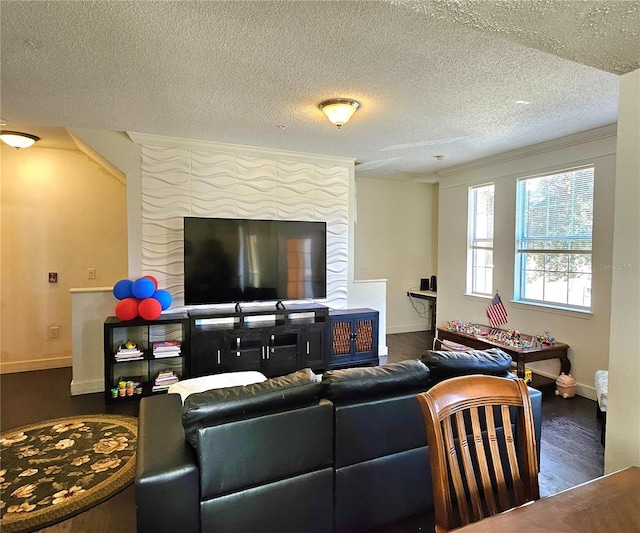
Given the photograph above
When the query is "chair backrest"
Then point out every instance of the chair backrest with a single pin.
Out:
(482, 454)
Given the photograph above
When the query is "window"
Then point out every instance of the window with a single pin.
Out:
(480, 240)
(553, 239)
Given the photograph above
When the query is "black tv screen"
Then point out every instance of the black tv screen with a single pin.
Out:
(241, 260)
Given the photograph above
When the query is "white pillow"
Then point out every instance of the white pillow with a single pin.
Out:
(215, 381)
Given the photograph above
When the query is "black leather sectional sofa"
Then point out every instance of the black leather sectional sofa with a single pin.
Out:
(345, 452)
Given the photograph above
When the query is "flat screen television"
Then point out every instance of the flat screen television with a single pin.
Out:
(242, 260)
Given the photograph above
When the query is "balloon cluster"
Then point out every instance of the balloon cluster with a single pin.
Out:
(140, 298)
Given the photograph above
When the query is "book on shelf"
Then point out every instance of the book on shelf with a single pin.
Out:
(170, 379)
(165, 373)
(128, 348)
(123, 349)
(166, 349)
(166, 353)
(128, 352)
(163, 386)
(160, 345)
(164, 379)
(123, 358)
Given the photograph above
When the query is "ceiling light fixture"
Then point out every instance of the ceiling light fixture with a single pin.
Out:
(17, 139)
(339, 110)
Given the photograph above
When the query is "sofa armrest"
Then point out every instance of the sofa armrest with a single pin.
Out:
(167, 478)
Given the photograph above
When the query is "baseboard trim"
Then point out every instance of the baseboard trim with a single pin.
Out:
(86, 387)
(35, 364)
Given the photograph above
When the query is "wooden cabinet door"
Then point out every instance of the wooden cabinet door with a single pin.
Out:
(208, 353)
(314, 347)
(281, 351)
(363, 340)
(245, 351)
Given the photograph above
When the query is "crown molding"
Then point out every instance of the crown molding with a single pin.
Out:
(236, 149)
(603, 132)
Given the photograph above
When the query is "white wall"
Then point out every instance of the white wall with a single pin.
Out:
(89, 308)
(116, 149)
(194, 178)
(396, 240)
(586, 334)
(61, 212)
(623, 411)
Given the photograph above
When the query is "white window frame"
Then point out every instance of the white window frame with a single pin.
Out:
(551, 255)
(480, 247)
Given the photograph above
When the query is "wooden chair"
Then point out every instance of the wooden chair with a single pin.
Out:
(476, 467)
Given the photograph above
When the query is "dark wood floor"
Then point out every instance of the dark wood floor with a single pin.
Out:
(570, 452)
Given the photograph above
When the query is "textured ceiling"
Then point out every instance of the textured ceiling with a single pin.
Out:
(433, 77)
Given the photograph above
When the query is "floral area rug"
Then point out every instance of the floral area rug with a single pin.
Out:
(52, 470)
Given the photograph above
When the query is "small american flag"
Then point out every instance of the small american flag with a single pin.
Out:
(496, 312)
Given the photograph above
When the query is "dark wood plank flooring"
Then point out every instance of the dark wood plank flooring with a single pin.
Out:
(570, 452)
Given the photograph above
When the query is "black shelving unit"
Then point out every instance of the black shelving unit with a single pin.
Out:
(173, 326)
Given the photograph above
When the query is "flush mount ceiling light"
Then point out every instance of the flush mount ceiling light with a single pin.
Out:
(339, 110)
(17, 139)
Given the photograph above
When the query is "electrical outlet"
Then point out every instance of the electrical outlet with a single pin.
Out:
(91, 273)
(54, 332)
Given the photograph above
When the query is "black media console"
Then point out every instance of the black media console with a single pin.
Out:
(272, 340)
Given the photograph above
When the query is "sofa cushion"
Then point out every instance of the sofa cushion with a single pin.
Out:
(367, 382)
(445, 364)
(231, 403)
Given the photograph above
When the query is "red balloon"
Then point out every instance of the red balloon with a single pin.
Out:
(149, 308)
(127, 308)
(155, 282)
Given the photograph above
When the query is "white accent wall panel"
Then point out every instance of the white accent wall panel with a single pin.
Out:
(179, 181)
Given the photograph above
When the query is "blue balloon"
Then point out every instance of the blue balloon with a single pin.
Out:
(123, 289)
(164, 298)
(143, 288)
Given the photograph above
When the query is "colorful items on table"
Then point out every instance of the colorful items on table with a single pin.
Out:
(464, 327)
(140, 298)
(508, 337)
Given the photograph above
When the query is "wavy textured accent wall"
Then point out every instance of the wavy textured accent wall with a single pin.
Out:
(179, 182)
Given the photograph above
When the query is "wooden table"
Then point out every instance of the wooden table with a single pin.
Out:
(608, 504)
(520, 356)
(431, 297)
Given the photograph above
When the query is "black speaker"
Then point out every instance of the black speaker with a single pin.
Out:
(424, 284)
(433, 284)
